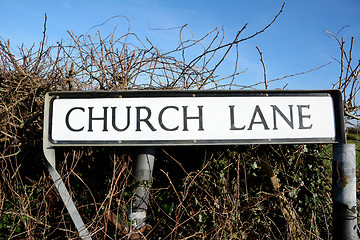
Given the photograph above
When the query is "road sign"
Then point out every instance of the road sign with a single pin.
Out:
(156, 118)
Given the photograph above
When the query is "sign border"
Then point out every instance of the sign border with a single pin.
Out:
(334, 94)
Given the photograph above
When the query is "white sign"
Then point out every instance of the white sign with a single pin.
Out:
(153, 119)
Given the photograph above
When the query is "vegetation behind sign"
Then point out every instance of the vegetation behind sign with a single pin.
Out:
(243, 192)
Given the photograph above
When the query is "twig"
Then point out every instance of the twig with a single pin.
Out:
(264, 67)
(232, 43)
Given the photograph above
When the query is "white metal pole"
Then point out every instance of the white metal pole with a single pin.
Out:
(344, 190)
(143, 175)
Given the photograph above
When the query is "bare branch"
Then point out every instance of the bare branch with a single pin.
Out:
(264, 67)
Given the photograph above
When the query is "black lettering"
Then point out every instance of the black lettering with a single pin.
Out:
(289, 122)
(161, 118)
(114, 119)
(91, 118)
(68, 116)
(263, 122)
(146, 119)
(232, 119)
(301, 116)
(186, 118)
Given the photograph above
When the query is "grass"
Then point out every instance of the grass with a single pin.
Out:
(357, 144)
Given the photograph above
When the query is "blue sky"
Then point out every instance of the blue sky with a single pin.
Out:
(295, 43)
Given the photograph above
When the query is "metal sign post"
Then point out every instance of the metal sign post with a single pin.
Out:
(173, 118)
(344, 180)
(143, 175)
(344, 190)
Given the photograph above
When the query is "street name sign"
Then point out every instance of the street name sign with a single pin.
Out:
(159, 118)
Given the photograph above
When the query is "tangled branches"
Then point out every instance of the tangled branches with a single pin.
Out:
(348, 80)
(189, 201)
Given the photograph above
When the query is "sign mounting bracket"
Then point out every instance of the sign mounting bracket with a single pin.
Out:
(49, 153)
